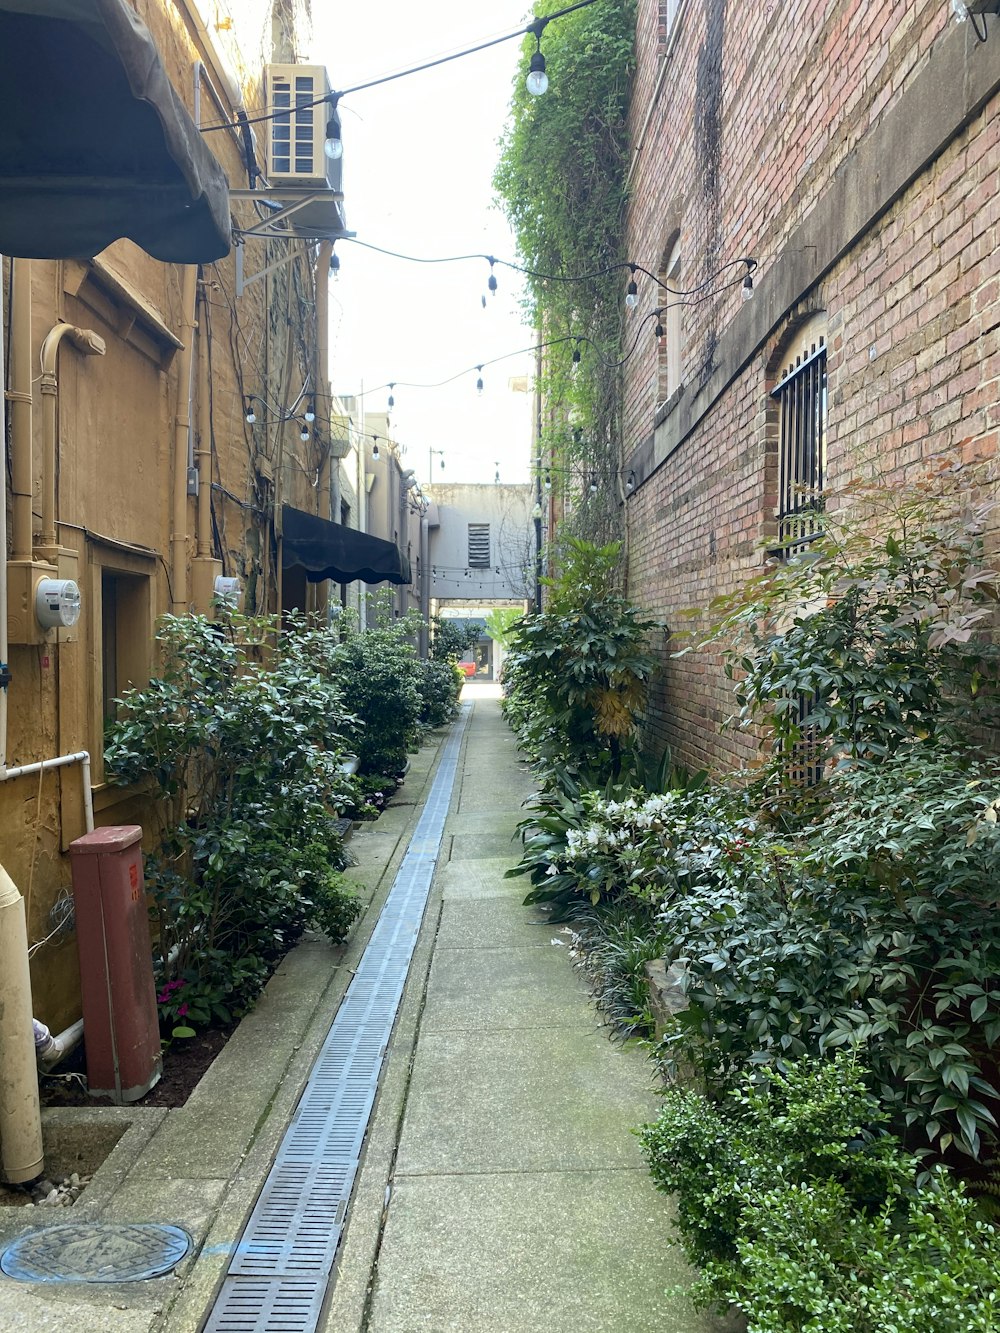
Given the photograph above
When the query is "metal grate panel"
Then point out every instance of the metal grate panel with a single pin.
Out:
(278, 1275)
(275, 1305)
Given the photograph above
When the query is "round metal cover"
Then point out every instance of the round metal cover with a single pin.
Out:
(91, 1252)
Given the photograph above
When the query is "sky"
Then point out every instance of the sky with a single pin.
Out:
(419, 155)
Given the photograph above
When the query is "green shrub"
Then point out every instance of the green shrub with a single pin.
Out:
(378, 671)
(439, 684)
(245, 760)
(800, 1207)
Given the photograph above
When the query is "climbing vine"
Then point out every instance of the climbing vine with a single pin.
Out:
(561, 180)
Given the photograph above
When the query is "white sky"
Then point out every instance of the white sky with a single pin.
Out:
(419, 155)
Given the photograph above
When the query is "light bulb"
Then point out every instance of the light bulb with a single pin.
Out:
(631, 294)
(310, 412)
(375, 454)
(593, 483)
(392, 400)
(479, 381)
(548, 481)
(304, 433)
(576, 355)
(335, 266)
(492, 282)
(747, 292)
(334, 146)
(251, 415)
(630, 483)
(537, 81)
(658, 331)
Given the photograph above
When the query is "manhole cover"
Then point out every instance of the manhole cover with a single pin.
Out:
(95, 1253)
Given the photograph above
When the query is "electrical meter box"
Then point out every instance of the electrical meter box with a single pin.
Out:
(120, 1026)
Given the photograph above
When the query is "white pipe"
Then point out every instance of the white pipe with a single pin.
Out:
(60, 761)
(52, 1048)
(90, 344)
(3, 541)
(21, 1156)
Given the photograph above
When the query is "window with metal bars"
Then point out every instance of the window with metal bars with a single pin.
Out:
(801, 400)
(479, 545)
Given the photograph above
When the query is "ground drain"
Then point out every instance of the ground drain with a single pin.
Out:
(278, 1277)
(95, 1253)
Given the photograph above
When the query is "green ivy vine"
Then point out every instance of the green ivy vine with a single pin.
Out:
(561, 181)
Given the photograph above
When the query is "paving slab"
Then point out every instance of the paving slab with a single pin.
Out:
(541, 1100)
(488, 922)
(563, 1252)
(476, 846)
(513, 989)
(481, 878)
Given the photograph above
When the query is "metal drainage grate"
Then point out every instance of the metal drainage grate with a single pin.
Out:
(278, 1276)
(91, 1252)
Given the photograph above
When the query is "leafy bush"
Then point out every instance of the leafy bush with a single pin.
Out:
(439, 684)
(451, 637)
(612, 948)
(246, 761)
(576, 674)
(800, 1207)
(378, 672)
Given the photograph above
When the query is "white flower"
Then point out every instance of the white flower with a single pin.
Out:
(552, 870)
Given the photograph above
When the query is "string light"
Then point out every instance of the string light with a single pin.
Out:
(747, 290)
(375, 452)
(304, 433)
(392, 400)
(533, 28)
(576, 352)
(537, 81)
(251, 415)
(334, 145)
(630, 483)
(335, 266)
(593, 483)
(479, 381)
(632, 291)
(491, 281)
(310, 412)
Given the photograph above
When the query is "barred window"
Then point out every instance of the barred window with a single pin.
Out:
(479, 545)
(800, 396)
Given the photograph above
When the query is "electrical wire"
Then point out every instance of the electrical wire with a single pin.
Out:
(535, 27)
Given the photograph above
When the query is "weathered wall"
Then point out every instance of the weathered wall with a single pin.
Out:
(507, 509)
(852, 149)
(116, 433)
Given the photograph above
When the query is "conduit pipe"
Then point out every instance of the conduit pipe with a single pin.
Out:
(90, 344)
(204, 456)
(19, 397)
(329, 476)
(182, 434)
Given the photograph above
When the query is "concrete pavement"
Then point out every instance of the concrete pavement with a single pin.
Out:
(501, 1189)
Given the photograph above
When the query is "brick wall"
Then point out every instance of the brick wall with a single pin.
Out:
(749, 133)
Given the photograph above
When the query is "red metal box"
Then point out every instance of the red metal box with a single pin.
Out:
(120, 1026)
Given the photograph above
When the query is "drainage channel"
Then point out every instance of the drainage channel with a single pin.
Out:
(278, 1276)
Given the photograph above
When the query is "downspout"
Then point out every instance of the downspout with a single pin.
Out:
(204, 456)
(182, 439)
(19, 397)
(329, 476)
(21, 1155)
(90, 344)
(425, 583)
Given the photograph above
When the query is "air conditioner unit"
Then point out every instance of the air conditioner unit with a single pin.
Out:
(297, 128)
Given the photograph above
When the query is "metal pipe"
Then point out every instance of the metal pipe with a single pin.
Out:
(90, 344)
(182, 435)
(19, 397)
(21, 1154)
(329, 476)
(204, 456)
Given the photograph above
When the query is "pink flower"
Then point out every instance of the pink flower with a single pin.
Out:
(181, 1010)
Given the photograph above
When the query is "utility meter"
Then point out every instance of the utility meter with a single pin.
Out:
(228, 592)
(57, 603)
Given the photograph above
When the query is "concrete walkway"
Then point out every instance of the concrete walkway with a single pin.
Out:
(503, 1190)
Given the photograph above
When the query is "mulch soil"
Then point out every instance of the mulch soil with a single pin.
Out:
(184, 1063)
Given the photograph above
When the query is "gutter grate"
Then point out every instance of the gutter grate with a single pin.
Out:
(278, 1275)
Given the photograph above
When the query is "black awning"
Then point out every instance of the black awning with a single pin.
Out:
(328, 550)
(94, 142)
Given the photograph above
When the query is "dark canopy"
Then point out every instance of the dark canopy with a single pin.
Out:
(94, 142)
(328, 550)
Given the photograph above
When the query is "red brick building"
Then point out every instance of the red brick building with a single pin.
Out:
(852, 150)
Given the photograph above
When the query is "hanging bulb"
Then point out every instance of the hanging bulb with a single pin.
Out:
(392, 400)
(310, 412)
(548, 480)
(577, 434)
(593, 483)
(479, 381)
(630, 483)
(631, 291)
(747, 290)
(335, 266)
(334, 145)
(537, 81)
(492, 281)
(659, 330)
(375, 454)
(304, 433)
(576, 353)
(496, 475)
(251, 415)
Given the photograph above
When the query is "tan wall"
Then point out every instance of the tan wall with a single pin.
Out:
(117, 418)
